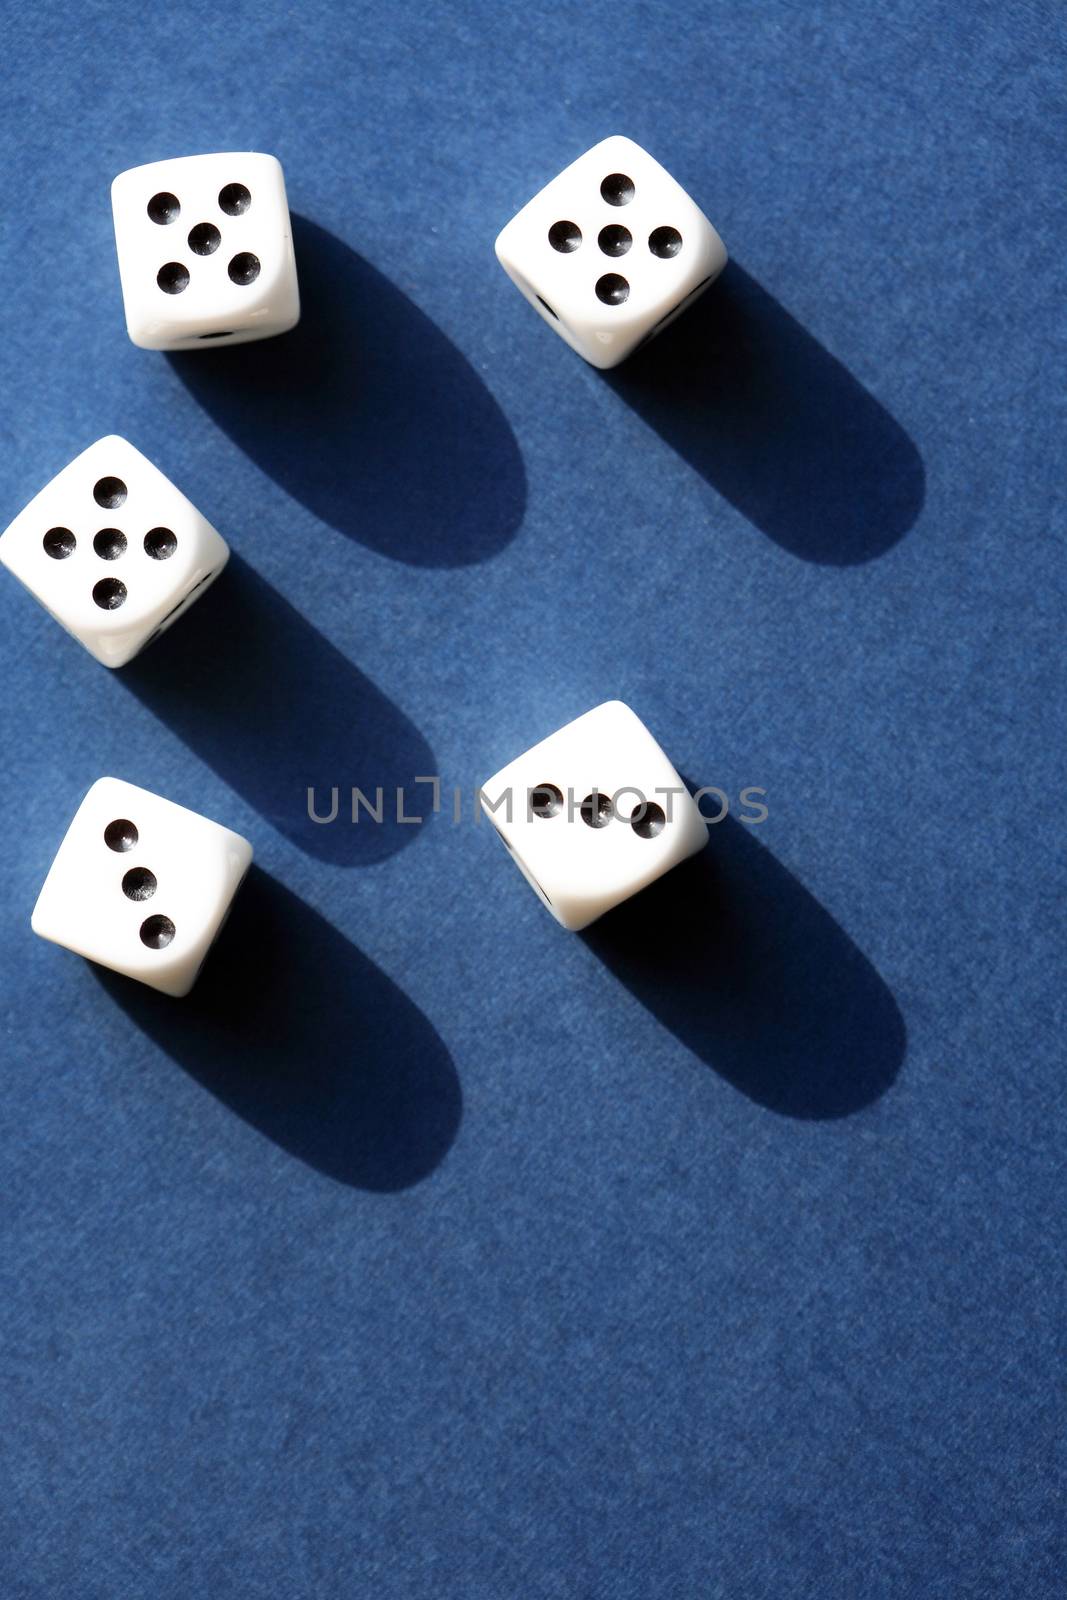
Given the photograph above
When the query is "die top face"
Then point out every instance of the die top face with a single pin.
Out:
(141, 885)
(595, 829)
(205, 251)
(112, 549)
(610, 250)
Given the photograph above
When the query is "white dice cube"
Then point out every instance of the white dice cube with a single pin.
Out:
(205, 251)
(611, 251)
(594, 813)
(113, 550)
(141, 885)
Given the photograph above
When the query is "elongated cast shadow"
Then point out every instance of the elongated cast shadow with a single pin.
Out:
(369, 416)
(777, 425)
(308, 1041)
(274, 709)
(744, 966)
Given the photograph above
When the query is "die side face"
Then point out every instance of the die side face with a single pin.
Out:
(611, 251)
(113, 550)
(597, 812)
(205, 251)
(141, 885)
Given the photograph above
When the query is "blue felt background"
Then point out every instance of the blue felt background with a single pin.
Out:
(426, 1250)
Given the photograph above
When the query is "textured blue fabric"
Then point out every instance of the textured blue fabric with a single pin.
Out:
(426, 1250)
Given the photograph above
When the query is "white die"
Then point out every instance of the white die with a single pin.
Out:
(611, 251)
(594, 813)
(113, 550)
(205, 251)
(141, 885)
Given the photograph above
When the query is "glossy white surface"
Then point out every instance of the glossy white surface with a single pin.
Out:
(212, 309)
(581, 871)
(73, 511)
(198, 867)
(562, 284)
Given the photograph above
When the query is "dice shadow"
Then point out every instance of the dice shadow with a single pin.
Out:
(305, 1039)
(271, 706)
(369, 416)
(777, 425)
(743, 965)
